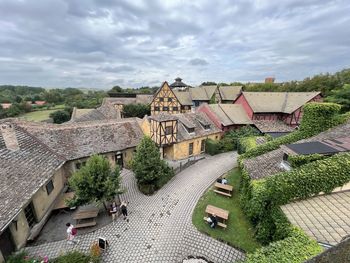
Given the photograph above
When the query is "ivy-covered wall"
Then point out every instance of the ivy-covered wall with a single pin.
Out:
(261, 199)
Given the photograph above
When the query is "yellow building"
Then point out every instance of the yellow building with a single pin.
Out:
(180, 136)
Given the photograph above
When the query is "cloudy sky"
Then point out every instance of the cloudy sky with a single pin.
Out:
(102, 43)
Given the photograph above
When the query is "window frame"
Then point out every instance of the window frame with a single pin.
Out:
(49, 187)
(190, 149)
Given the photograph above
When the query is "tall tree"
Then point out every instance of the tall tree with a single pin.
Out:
(342, 97)
(136, 110)
(149, 169)
(96, 181)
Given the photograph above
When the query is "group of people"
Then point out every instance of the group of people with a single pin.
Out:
(114, 210)
(222, 180)
(72, 231)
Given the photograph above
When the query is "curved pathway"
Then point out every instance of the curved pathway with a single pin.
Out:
(160, 226)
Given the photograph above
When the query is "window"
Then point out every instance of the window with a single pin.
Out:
(285, 157)
(156, 108)
(161, 99)
(49, 187)
(190, 148)
(190, 130)
(168, 130)
(77, 166)
(170, 99)
(165, 108)
(175, 108)
(30, 215)
(202, 145)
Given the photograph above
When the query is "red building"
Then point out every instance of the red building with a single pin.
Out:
(226, 116)
(277, 106)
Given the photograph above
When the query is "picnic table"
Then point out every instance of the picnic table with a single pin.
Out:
(61, 204)
(223, 189)
(219, 213)
(86, 214)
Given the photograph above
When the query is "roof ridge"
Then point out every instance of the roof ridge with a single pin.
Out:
(284, 105)
(225, 113)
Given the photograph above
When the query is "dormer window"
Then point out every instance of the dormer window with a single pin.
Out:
(206, 126)
(190, 130)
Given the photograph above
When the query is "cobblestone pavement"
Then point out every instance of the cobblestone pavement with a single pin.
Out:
(160, 227)
(325, 218)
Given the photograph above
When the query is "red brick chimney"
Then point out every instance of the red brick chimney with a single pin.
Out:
(9, 135)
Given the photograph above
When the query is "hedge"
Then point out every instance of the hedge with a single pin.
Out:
(317, 117)
(229, 141)
(246, 143)
(299, 160)
(261, 199)
(294, 249)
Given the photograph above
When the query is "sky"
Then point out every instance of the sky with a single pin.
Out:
(103, 43)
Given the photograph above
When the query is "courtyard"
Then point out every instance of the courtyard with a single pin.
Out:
(160, 226)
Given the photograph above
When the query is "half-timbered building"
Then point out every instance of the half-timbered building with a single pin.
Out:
(180, 136)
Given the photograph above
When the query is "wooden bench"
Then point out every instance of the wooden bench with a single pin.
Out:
(222, 193)
(223, 187)
(219, 223)
(87, 224)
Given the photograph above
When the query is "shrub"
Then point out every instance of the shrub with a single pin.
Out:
(22, 257)
(299, 160)
(296, 248)
(246, 143)
(317, 117)
(136, 110)
(60, 116)
(212, 147)
(76, 257)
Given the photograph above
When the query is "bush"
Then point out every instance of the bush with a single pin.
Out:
(76, 257)
(246, 143)
(299, 160)
(296, 248)
(317, 117)
(229, 141)
(261, 198)
(60, 116)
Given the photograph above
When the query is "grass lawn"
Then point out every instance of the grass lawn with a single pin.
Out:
(239, 232)
(40, 115)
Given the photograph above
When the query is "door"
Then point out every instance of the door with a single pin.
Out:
(119, 159)
(6, 244)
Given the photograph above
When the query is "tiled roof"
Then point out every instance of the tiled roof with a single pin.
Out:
(184, 97)
(78, 140)
(230, 93)
(140, 98)
(230, 114)
(285, 102)
(77, 113)
(23, 171)
(272, 126)
(269, 163)
(202, 92)
(325, 218)
(195, 120)
(106, 111)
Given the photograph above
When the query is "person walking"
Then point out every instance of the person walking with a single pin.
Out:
(124, 210)
(113, 210)
(71, 234)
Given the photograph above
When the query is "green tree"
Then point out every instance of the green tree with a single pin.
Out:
(14, 110)
(136, 110)
(150, 171)
(208, 83)
(96, 181)
(116, 89)
(342, 97)
(60, 116)
(2, 112)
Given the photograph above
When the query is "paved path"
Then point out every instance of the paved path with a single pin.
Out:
(160, 227)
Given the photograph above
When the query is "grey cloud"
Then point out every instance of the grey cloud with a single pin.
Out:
(116, 69)
(198, 62)
(64, 42)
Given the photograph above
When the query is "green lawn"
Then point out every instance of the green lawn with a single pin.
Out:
(40, 115)
(239, 232)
